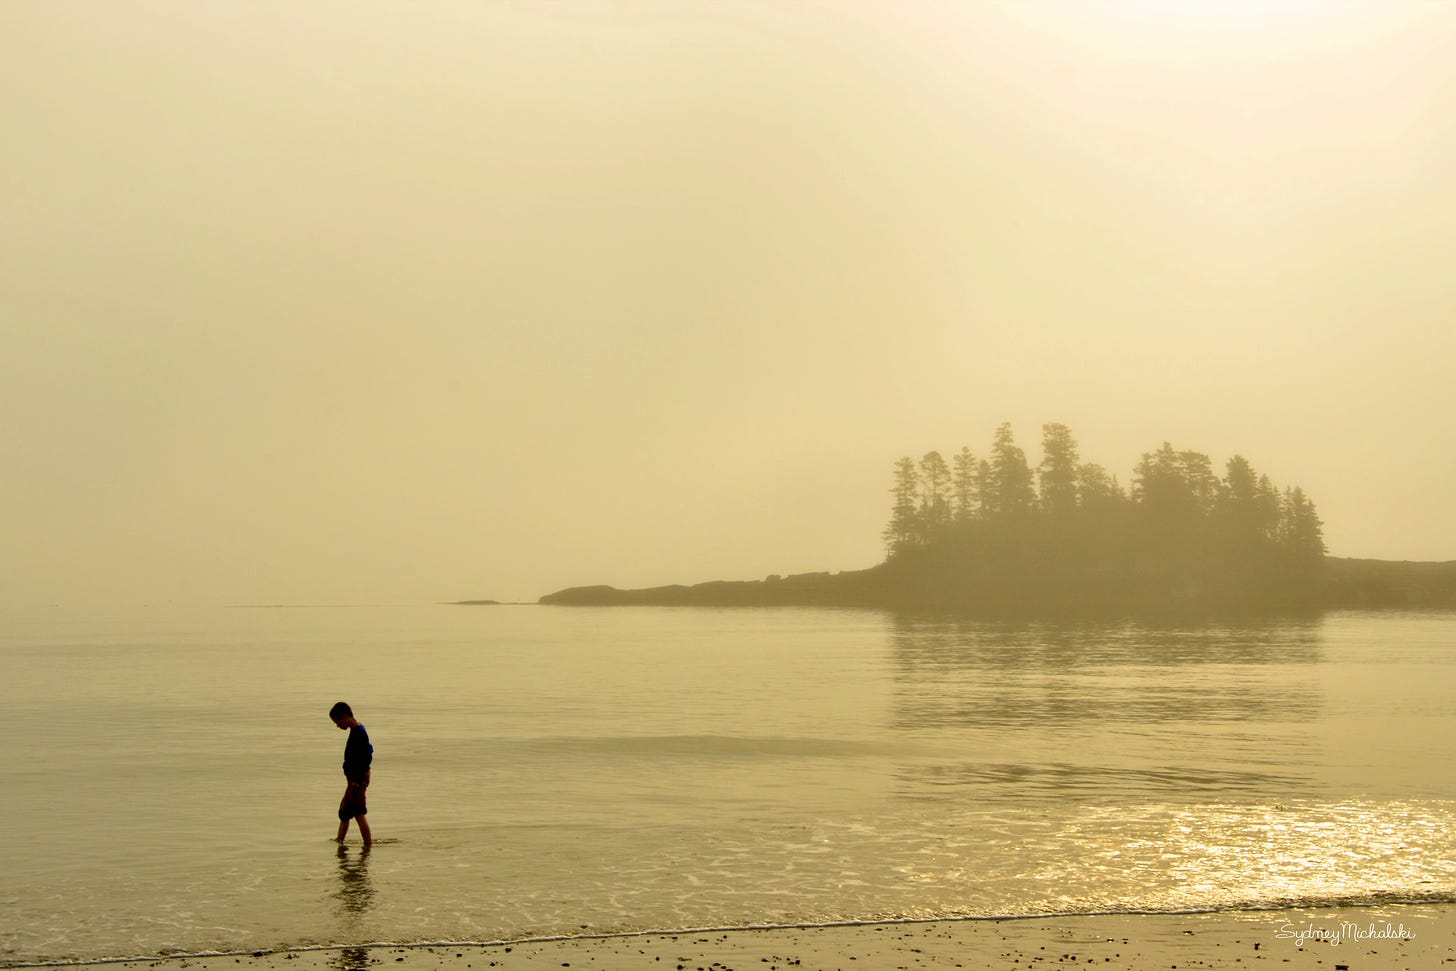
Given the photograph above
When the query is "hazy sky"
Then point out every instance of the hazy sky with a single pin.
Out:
(416, 300)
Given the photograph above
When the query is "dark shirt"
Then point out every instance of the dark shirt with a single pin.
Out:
(358, 754)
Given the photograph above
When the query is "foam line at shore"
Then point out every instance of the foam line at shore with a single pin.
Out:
(1326, 911)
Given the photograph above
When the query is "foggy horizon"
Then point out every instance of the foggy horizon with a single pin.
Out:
(398, 303)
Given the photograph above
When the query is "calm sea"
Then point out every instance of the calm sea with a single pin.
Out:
(168, 779)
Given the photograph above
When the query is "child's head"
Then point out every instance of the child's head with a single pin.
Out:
(340, 712)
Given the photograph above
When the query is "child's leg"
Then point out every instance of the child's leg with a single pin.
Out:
(343, 831)
(364, 829)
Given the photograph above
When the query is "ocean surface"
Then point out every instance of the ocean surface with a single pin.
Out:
(169, 778)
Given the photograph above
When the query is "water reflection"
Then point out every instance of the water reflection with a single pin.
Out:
(1100, 711)
(355, 898)
(966, 673)
(1317, 853)
(929, 637)
(1098, 782)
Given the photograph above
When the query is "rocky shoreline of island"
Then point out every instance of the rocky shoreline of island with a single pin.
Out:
(1345, 584)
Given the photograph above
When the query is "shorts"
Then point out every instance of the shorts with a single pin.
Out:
(353, 802)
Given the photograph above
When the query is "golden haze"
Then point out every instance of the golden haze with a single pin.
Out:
(401, 301)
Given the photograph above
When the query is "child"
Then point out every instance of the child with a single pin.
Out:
(358, 754)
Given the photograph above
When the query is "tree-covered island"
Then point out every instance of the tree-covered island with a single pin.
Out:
(991, 534)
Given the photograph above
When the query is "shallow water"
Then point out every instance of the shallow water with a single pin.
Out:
(170, 777)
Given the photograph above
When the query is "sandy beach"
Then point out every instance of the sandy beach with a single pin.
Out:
(1411, 938)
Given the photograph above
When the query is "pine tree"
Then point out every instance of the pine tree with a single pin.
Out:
(1268, 508)
(1201, 484)
(1238, 500)
(1057, 474)
(935, 491)
(1095, 487)
(1302, 531)
(903, 530)
(1007, 489)
(1157, 482)
(965, 488)
(1175, 487)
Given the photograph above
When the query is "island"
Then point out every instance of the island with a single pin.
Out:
(993, 535)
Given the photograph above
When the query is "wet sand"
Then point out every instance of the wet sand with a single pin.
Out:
(1414, 938)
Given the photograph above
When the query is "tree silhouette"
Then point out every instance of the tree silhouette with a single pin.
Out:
(1008, 489)
(965, 486)
(903, 530)
(1269, 507)
(935, 494)
(1238, 499)
(1057, 474)
(1097, 489)
(1301, 531)
(979, 531)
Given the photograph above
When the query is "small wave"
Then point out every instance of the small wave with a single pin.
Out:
(722, 746)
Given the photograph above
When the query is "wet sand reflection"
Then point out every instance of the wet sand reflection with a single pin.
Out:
(355, 899)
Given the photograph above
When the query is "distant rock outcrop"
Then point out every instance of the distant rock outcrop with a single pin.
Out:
(1390, 583)
(849, 588)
